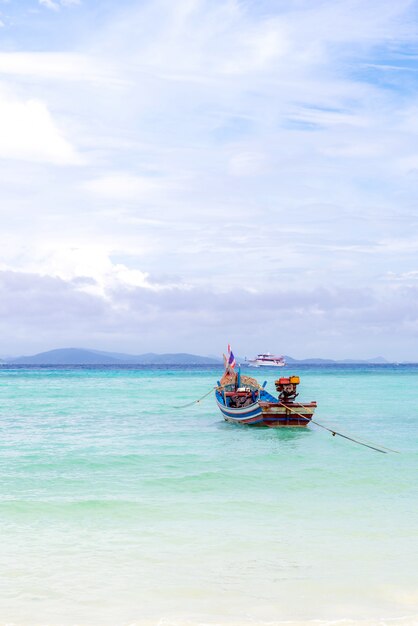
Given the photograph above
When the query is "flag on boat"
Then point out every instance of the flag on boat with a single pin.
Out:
(231, 358)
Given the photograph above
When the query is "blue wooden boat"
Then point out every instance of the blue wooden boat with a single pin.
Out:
(238, 397)
(242, 400)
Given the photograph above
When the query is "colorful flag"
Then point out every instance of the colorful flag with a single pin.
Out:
(231, 358)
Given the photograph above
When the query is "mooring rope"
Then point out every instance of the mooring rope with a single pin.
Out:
(334, 432)
(183, 406)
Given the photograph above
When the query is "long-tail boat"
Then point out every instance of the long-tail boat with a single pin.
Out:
(242, 400)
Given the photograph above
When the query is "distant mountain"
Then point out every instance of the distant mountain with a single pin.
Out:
(80, 356)
(65, 356)
(180, 358)
(378, 360)
(315, 361)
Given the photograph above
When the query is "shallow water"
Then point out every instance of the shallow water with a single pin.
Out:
(116, 508)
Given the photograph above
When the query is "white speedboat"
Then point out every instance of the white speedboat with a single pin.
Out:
(267, 360)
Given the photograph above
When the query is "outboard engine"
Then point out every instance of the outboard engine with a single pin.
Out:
(287, 388)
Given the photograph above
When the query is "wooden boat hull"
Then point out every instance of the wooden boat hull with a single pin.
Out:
(277, 414)
(269, 414)
(251, 415)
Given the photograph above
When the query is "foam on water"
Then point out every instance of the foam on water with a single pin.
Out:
(115, 508)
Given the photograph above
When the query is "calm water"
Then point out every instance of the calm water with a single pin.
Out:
(116, 508)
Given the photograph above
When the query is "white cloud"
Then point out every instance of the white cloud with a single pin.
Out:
(256, 49)
(246, 164)
(28, 132)
(50, 4)
(55, 5)
(218, 134)
(405, 277)
(129, 312)
(120, 186)
(89, 268)
(60, 66)
(124, 187)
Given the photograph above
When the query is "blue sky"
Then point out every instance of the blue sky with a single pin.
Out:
(177, 175)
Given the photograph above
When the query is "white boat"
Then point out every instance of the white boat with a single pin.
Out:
(267, 360)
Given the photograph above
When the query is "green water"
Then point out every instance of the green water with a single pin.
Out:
(116, 508)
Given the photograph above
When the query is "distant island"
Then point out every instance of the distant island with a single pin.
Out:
(378, 360)
(81, 356)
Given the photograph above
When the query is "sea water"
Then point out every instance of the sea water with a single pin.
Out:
(118, 508)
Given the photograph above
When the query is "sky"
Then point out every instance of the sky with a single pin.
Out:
(175, 176)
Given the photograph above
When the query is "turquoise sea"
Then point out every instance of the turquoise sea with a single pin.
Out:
(118, 509)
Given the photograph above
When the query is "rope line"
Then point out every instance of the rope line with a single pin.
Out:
(334, 432)
(366, 440)
(183, 406)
